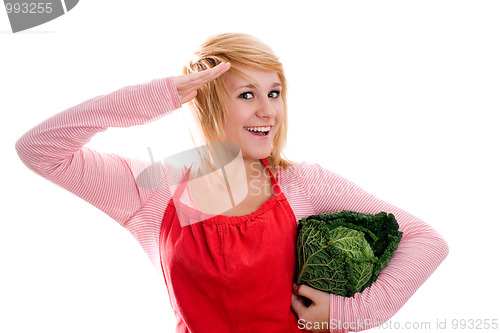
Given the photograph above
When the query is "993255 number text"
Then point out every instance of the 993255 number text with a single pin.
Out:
(474, 324)
(29, 8)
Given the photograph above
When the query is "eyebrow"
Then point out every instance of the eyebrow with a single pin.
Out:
(252, 86)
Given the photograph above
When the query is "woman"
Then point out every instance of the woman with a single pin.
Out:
(227, 268)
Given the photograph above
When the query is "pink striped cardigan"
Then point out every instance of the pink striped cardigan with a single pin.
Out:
(55, 149)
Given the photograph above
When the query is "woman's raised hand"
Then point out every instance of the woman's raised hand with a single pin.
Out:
(188, 85)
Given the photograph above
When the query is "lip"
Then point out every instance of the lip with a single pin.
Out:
(259, 126)
(256, 136)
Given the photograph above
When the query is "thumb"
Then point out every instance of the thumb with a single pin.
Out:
(307, 291)
(188, 97)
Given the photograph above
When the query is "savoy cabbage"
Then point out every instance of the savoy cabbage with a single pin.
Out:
(343, 252)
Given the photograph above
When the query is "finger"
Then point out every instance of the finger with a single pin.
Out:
(192, 78)
(306, 291)
(203, 77)
(297, 305)
(186, 84)
(212, 75)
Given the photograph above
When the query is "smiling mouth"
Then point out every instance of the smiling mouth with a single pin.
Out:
(261, 131)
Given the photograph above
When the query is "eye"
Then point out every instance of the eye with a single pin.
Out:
(274, 94)
(246, 95)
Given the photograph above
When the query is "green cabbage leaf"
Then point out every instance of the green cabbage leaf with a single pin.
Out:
(344, 252)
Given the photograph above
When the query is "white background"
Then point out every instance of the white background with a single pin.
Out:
(398, 96)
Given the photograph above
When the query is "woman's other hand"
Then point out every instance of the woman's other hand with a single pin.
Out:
(314, 317)
(188, 85)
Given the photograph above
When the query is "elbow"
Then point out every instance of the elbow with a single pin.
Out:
(437, 246)
(442, 248)
(22, 149)
(424, 240)
(26, 153)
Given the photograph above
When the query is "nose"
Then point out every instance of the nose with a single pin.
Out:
(266, 109)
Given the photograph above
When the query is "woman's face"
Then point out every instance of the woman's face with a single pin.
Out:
(254, 111)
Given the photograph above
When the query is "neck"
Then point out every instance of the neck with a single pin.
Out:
(255, 168)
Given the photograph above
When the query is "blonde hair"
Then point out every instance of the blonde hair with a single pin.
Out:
(209, 106)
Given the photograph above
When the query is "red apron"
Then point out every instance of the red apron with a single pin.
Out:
(231, 274)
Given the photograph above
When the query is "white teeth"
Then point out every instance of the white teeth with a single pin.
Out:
(259, 129)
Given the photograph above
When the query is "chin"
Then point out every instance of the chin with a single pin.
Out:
(257, 155)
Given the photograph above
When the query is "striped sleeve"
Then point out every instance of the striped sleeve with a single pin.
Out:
(420, 252)
(55, 149)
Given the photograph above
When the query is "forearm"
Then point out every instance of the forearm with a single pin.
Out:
(58, 138)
